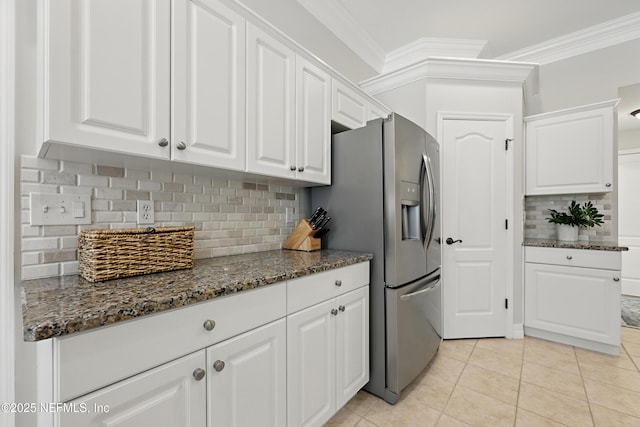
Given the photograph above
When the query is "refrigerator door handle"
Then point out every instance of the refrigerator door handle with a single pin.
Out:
(429, 287)
(428, 213)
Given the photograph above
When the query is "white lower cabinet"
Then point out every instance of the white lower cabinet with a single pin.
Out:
(566, 301)
(327, 356)
(167, 396)
(246, 379)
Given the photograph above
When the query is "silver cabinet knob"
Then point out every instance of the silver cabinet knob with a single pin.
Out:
(569, 257)
(198, 374)
(163, 142)
(616, 279)
(209, 325)
(334, 311)
(338, 283)
(608, 184)
(292, 167)
(341, 308)
(218, 365)
(301, 169)
(181, 145)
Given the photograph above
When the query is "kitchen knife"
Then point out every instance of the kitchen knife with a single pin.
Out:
(315, 215)
(321, 233)
(322, 223)
(317, 222)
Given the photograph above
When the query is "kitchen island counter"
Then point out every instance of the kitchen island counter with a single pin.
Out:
(63, 305)
(594, 246)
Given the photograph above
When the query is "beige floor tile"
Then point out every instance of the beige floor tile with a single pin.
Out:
(560, 360)
(553, 379)
(364, 423)
(408, 413)
(612, 375)
(525, 418)
(344, 418)
(555, 347)
(445, 367)
(361, 403)
(512, 347)
(498, 386)
(631, 335)
(556, 406)
(605, 417)
(457, 349)
(447, 421)
(497, 362)
(633, 348)
(479, 410)
(431, 390)
(613, 397)
(622, 361)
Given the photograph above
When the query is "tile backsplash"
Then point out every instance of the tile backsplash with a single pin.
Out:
(537, 212)
(230, 216)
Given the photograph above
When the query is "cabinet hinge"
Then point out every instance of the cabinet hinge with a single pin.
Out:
(506, 143)
(506, 304)
(506, 224)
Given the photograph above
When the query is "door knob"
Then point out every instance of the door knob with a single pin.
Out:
(163, 142)
(218, 365)
(181, 145)
(209, 325)
(198, 374)
(450, 241)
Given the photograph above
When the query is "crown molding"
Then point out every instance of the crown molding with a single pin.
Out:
(599, 36)
(425, 47)
(333, 15)
(459, 69)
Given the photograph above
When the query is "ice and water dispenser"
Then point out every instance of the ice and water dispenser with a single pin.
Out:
(410, 204)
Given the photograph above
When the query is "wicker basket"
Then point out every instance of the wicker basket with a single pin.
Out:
(111, 254)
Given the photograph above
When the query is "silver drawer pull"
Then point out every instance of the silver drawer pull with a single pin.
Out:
(338, 283)
(218, 365)
(198, 374)
(569, 257)
(616, 279)
(341, 308)
(209, 325)
(334, 311)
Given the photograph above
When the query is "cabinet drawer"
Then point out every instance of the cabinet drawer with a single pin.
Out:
(309, 290)
(608, 260)
(90, 360)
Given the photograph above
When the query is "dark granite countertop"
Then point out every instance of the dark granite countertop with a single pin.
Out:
(63, 305)
(594, 246)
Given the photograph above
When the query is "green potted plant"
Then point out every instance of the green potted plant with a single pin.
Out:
(568, 223)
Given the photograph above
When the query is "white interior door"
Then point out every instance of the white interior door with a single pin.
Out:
(628, 226)
(474, 203)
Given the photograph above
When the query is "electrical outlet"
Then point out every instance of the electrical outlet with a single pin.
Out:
(288, 215)
(146, 214)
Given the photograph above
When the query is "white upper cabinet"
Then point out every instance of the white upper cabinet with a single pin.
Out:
(571, 151)
(106, 75)
(271, 105)
(208, 70)
(313, 122)
(349, 107)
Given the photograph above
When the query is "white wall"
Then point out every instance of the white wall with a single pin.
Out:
(586, 79)
(629, 140)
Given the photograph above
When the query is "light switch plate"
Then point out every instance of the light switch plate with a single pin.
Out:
(59, 209)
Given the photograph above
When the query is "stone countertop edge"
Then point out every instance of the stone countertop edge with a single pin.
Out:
(594, 246)
(62, 305)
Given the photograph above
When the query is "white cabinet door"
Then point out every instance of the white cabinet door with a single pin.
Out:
(349, 108)
(107, 75)
(168, 396)
(311, 358)
(313, 123)
(208, 63)
(352, 344)
(573, 301)
(247, 379)
(571, 151)
(270, 105)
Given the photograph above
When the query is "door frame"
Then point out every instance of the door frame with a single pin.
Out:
(508, 120)
(7, 183)
(635, 154)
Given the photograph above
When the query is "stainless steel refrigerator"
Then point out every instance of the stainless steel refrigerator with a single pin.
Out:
(384, 200)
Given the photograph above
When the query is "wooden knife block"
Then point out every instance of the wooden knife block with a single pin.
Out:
(302, 238)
